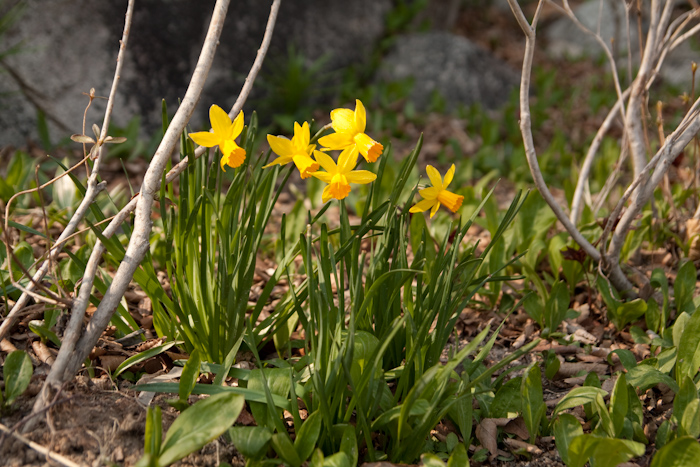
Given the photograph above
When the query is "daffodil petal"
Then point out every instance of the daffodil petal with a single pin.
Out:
(436, 206)
(343, 121)
(347, 159)
(234, 154)
(451, 200)
(305, 164)
(280, 145)
(369, 148)
(302, 136)
(326, 196)
(206, 139)
(323, 176)
(449, 176)
(360, 116)
(361, 177)
(282, 160)
(434, 177)
(336, 141)
(326, 162)
(429, 193)
(237, 125)
(220, 121)
(422, 205)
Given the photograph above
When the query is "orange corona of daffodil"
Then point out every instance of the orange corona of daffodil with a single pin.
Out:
(223, 135)
(349, 129)
(340, 176)
(297, 150)
(438, 193)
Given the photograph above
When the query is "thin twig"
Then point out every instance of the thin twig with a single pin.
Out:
(526, 130)
(94, 187)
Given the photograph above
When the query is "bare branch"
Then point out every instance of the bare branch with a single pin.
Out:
(526, 130)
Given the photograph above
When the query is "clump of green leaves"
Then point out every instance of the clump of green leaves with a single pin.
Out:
(16, 373)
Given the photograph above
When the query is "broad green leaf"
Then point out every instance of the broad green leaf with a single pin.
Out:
(202, 423)
(339, 459)
(308, 435)
(643, 377)
(653, 315)
(663, 434)
(619, 404)
(551, 365)
(556, 307)
(690, 421)
(17, 372)
(24, 253)
(154, 431)
(285, 449)
(684, 288)
(461, 413)
(566, 427)
(143, 356)
(508, 400)
(678, 327)
(626, 357)
(348, 442)
(317, 458)
(681, 452)
(605, 423)
(279, 384)
(365, 345)
(533, 402)
(459, 457)
(688, 357)
(688, 392)
(602, 452)
(431, 460)
(189, 376)
(629, 312)
(251, 441)
(578, 396)
(250, 395)
(533, 307)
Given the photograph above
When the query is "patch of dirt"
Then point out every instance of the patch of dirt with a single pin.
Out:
(92, 426)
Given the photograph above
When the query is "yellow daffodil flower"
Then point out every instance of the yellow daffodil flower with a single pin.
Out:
(223, 135)
(340, 176)
(297, 150)
(438, 193)
(349, 129)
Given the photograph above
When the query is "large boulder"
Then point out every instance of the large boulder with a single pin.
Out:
(71, 46)
(459, 70)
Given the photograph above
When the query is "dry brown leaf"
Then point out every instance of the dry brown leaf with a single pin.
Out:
(518, 445)
(111, 362)
(43, 353)
(487, 434)
(517, 427)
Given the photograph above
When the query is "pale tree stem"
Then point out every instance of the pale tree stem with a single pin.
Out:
(647, 181)
(72, 355)
(526, 130)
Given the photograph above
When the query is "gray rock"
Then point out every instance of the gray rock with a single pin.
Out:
(70, 46)
(462, 72)
(565, 39)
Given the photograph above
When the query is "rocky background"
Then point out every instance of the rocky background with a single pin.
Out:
(67, 47)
